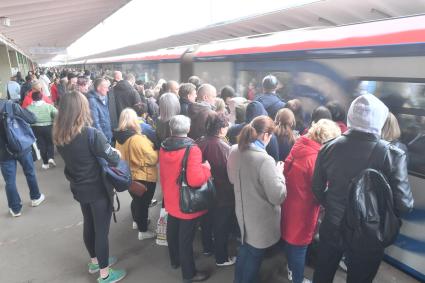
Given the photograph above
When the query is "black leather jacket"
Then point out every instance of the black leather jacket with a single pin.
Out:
(341, 159)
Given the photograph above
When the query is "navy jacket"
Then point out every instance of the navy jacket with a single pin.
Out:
(271, 102)
(100, 114)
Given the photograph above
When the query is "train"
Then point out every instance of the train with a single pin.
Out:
(317, 65)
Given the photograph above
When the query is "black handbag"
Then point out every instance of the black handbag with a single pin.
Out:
(194, 199)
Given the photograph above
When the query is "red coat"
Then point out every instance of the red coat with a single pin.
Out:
(342, 126)
(28, 99)
(300, 209)
(170, 167)
(54, 92)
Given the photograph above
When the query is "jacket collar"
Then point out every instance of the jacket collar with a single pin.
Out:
(176, 143)
(361, 135)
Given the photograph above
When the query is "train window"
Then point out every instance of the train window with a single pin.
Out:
(249, 83)
(407, 101)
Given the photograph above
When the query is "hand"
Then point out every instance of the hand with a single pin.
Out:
(280, 166)
(207, 164)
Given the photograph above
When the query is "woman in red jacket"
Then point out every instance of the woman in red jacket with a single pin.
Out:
(181, 226)
(300, 210)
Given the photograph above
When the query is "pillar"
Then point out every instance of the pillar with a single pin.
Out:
(5, 70)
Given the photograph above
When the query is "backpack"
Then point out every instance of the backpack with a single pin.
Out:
(19, 135)
(370, 222)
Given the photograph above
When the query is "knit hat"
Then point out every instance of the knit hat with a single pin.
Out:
(367, 114)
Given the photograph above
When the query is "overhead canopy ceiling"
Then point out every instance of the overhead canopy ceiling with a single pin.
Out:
(322, 13)
(44, 28)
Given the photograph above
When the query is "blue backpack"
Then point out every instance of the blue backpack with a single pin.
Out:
(19, 135)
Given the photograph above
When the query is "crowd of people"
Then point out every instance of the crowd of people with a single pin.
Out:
(276, 169)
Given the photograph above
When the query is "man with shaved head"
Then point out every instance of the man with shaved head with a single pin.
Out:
(198, 112)
(117, 78)
(173, 87)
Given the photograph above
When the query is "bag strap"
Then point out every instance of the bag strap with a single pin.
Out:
(377, 157)
(182, 178)
(8, 110)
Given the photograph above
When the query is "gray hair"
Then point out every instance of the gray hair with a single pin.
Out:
(180, 125)
(169, 106)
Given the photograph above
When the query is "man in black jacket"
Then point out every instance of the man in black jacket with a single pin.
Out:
(338, 162)
(8, 164)
(125, 94)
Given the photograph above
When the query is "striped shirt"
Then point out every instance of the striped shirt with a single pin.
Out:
(44, 112)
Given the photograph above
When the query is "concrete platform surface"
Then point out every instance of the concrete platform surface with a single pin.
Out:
(45, 244)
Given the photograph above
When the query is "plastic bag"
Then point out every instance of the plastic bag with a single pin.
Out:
(161, 228)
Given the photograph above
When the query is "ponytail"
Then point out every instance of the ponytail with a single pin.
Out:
(246, 137)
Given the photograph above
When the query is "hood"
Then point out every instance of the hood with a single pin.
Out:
(123, 136)
(304, 146)
(198, 107)
(123, 86)
(254, 109)
(176, 143)
(367, 114)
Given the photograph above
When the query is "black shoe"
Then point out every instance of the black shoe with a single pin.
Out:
(200, 276)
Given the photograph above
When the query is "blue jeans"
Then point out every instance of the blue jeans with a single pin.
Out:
(296, 261)
(8, 170)
(248, 264)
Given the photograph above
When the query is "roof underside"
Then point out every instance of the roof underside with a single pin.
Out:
(42, 28)
(324, 13)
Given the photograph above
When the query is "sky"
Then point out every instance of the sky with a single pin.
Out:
(142, 20)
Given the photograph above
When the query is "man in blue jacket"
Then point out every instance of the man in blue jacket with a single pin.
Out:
(271, 102)
(8, 164)
(98, 101)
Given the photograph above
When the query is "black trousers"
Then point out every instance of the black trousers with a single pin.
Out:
(217, 222)
(43, 135)
(180, 235)
(362, 265)
(140, 206)
(97, 219)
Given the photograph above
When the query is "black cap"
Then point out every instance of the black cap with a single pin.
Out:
(270, 82)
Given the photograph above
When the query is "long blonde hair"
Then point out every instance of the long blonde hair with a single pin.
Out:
(129, 121)
(391, 129)
(73, 115)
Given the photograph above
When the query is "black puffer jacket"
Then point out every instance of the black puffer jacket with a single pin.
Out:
(339, 161)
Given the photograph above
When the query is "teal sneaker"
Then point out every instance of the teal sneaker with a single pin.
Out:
(114, 276)
(94, 267)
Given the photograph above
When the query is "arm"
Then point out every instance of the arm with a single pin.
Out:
(398, 180)
(196, 173)
(272, 181)
(319, 180)
(102, 149)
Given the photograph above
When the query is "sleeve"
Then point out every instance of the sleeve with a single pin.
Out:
(136, 97)
(273, 148)
(272, 181)
(94, 114)
(319, 180)
(53, 111)
(231, 165)
(196, 173)
(103, 149)
(27, 100)
(398, 180)
(25, 114)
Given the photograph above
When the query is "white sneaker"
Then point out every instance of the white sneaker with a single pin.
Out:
(342, 265)
(52, 162)
(289, 273)
(230, 261)
(305, 280)
(15, 214)
(146, 235)
(37, 202)
(134, 227)
(45, 166)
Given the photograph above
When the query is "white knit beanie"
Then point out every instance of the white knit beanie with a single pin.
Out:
(367, 114)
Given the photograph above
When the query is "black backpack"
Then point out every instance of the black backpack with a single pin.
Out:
(370, 222)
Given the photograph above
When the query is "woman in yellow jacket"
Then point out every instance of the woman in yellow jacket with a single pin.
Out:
(139, 152)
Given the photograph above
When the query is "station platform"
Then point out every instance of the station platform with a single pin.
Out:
(45, 244)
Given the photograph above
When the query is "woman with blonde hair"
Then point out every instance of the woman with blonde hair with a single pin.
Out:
(140, 154)
(300, 210)
(391, 132)
(259, 188)
(71, 130)
(285, 125)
